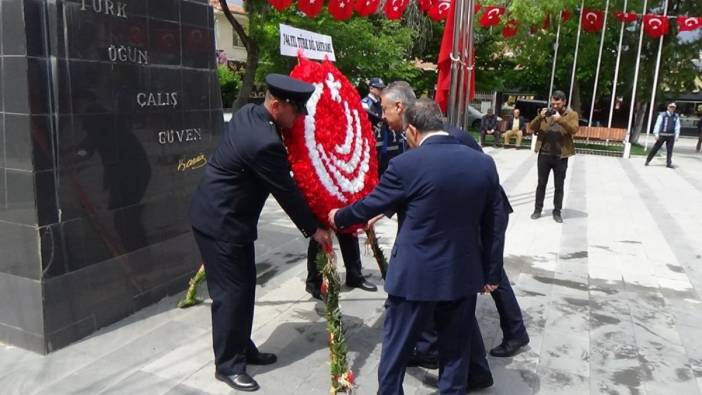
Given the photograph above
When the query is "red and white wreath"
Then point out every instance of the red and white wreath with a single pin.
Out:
(332, 149)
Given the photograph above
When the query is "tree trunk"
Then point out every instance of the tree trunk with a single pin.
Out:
(639, 121)
(251, 53)
(576, 104)
(247, 83)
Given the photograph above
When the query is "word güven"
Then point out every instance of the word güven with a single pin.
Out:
(172, 136)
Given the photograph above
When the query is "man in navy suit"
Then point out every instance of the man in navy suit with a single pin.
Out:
(396, 98)
(442, 254)
(250, 164)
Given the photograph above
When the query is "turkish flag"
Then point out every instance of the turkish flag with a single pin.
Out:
(491, 16)
(341, 9)
(689, 23)
(443, 82)
(366, 7)
(625, 17)
(311, 8)
(655, 25)
(510, 29)
(439, 10)
(280, 5)
(565, 16)
(395, 8)
(592, 20)
(476, 8)
(425, 5)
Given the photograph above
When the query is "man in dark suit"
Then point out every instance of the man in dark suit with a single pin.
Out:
(249, 164)
(441, 258)
(397, 97)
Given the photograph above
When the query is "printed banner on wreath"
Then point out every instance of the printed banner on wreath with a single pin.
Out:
(332, 149)
(313, 45)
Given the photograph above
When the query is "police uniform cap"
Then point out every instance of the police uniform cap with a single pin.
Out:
(376, 82)
(290, 90)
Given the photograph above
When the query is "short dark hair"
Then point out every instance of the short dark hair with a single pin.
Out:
(425, 115)
(558, 95)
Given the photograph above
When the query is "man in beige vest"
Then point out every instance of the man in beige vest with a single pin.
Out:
(515, 127)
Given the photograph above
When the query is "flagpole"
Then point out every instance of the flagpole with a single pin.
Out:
(616, 71)
(655, 80)
(599, 61)
(575, 58)
(627, 140)
(455, 61)
(460, 91)
(469, 59)
(555, 56)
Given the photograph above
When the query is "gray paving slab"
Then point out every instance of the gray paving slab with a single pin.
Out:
(610, 299)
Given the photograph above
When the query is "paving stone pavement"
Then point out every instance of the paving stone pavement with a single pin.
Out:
(611, 299)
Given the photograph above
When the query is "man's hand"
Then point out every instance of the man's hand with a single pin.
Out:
(488, 288)
(542, 114)
(556, 116)
(323, 237)
(330, 217)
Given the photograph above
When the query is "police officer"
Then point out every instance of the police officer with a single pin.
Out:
(388, 142)
(666, 130)
(249, 164)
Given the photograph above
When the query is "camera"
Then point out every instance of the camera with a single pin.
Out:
(550, 112)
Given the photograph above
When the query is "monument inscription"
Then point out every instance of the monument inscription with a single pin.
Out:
(94, 214)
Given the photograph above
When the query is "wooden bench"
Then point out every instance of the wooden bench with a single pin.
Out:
(596, 134)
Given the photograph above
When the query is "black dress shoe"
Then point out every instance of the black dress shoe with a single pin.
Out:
(508, 348)
(362, 284)
(557, 217)
(314, 291)
(262, 358)
(424, 360)
(479, 382)
(670, 166)
(536, 214)
(240, 382)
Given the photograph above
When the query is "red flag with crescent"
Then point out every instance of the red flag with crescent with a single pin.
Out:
(311, 8)
(439, 10)
(425, 5)
(280, 5)
(592, 21)
(366, 7)
(491, 16)
(565, 16)
(510, 29)
(341, 9)
(655, 26)
(689, 23)
(395, 8)
(625, 17)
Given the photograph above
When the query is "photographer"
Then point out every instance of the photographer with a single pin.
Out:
(554, 128)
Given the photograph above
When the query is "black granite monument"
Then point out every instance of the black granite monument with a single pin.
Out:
(108, 110)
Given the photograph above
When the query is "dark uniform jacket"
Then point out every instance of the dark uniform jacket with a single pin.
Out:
(442, 251)
(249, 164)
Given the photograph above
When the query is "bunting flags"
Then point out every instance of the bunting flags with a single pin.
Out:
(689, 23)
(592, 21)
(655, 25)
(491, 16)
(626, 17)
